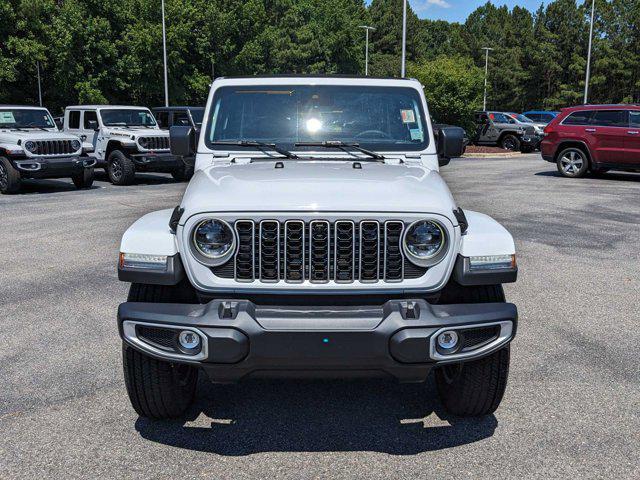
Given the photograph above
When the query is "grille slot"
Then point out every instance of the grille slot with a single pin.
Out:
(269, 251)
(155, 143)
(319, 251)
(53, 147)
(163, 338)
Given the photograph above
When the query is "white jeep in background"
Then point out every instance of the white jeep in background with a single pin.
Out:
(123, 140)
(31, 147)
(316, 238)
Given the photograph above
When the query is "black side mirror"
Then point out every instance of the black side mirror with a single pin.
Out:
(93, 124)
(183, 143)
(450, 144)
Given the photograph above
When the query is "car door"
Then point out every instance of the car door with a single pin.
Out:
(633, 138)
(89, 131)
(608, 135)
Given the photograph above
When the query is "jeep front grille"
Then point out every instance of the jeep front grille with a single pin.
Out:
(154, 143)
(53, 147)
(319, 251)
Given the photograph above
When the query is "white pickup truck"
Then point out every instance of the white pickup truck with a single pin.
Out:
(316, 238)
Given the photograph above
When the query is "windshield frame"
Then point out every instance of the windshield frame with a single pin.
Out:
(414, 93)
(43, 110)
(135, 109)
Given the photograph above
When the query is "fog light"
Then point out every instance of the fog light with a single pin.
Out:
(189, 340)
(448, 340)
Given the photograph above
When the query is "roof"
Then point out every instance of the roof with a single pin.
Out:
(32, 107)
(603, 106)
(310, 75)
(541, 111)
(94, 107)
(177, 107)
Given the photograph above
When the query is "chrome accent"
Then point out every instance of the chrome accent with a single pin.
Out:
(506, 330)
(130, 335)
(212, 261)
(436, 257)
(28, 166)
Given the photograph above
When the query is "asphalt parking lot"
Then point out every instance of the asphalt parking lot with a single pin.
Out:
(572, 407)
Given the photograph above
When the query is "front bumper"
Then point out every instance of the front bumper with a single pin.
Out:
(240, 338)
(52, 167)
(530, 141)
(155, 160)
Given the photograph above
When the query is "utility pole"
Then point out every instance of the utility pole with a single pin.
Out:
(164, 57)
(366, 48)
(486, 75)
(39, 83)
(404, 37)
(586, 81)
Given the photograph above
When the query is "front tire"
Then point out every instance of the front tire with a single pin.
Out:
(572, 162)
(473, 388)
(510, 142)
(120, 168)
(158, 389)
(83, 179)
(9, 177)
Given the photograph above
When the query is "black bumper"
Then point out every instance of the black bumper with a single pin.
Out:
(241, 338)
(61, 167)
(530, 141)
(156, 161)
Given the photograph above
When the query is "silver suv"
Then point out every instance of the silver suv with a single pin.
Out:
(499, 129)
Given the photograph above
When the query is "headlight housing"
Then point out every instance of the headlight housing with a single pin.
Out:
(143, 142)
(75, 145)
(213, 242)
(30, 146)
(425, 243)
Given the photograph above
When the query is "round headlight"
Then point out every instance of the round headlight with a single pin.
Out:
(214, 241)
(75, 145)
(31, 146)
(143, 142)
(424, 243)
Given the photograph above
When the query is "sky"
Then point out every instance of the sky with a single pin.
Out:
(459, 10)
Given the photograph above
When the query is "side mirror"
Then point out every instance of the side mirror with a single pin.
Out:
(92, 124)
(183, 143)
(450, 144)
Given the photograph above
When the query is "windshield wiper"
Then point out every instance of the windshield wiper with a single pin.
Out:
(344, 146)
(253, 143)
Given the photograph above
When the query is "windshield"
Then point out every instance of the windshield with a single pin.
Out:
(377, 118)
(197, 115)
(25, 118)
(521, 118)
(127, 118)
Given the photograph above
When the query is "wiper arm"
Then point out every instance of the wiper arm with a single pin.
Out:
(253, 143)
(344, 146)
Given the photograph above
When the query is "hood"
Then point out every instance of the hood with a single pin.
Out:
(137, 132)
(24, 135)
(317, 186)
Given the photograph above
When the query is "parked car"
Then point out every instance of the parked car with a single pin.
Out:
(31, 147)
(541, 116)
(322, 241)
(594, 138)
(499, 129)
(168, 117)
(526, 122)
(123, 140)
(465, 138)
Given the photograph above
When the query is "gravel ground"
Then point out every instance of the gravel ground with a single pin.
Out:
(571, 408)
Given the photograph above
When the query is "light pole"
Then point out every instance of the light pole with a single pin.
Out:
(486, 75)
(586, 81)
(39, 85)
(404, 37)
(366, 48)
(164, 58)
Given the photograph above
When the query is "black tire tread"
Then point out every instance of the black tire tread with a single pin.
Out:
(128, 167)
(13, 177)
(83, 179)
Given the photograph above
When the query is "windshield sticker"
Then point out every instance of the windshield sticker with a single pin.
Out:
(416, 134)
(7, 117)
(408, 116)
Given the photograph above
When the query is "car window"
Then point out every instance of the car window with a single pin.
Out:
(610, 118)
(181, 118)
(634, 118)
(163, 119)
(89, 116)
(578, 118)
(534, 116)
(500, 118)
(74, 119)
(546, 117)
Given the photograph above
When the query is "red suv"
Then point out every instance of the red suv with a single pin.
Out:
(593, 138)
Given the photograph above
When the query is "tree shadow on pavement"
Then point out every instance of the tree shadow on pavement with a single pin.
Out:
(617, 176)
(141, 179)
(317, 416)
(31, 187)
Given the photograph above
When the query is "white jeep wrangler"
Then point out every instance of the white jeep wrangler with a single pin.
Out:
(316, 238)
(32, 147)
(123, 140)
